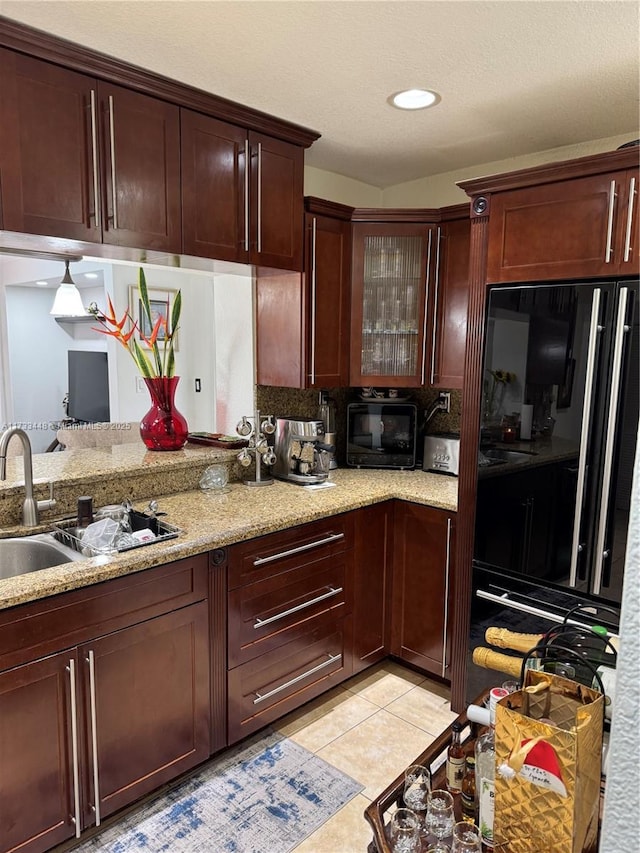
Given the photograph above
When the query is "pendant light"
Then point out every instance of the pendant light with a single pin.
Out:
(68, 302)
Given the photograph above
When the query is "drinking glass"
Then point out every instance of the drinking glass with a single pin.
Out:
(466, 838)
(417, 785)
(404, 831)
(440, 817)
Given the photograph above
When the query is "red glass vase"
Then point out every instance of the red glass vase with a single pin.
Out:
(163, 427)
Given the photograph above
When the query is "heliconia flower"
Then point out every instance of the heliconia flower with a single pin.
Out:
(160, 361)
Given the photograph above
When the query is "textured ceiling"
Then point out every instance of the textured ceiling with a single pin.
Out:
(515, 77)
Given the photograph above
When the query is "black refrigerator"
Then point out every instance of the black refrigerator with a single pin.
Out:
(561, 390)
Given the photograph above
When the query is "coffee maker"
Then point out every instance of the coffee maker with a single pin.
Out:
(302, 455)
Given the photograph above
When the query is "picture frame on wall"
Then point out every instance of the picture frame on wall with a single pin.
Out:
(161, 303)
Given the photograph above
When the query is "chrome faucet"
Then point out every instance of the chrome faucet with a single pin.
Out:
(30, 507)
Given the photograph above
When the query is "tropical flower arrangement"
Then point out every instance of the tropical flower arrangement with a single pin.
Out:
(160, 361)
(494, 394)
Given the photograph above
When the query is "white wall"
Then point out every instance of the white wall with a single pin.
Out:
(440, 190)
(621, 821)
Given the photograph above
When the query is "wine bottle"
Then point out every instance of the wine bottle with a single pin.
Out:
(486, 770)
(468, 797)
(503, 638)
(455, 760)
(489, 659)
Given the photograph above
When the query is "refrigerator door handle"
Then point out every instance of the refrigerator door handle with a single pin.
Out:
(601, 553)
(594, 330)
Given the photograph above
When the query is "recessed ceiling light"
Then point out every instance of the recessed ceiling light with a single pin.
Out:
(91, 275)
(42, 283)
(414, 99)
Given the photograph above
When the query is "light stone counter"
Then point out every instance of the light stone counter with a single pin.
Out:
(212, 521)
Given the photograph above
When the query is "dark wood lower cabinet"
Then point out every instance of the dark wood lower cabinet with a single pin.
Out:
(372, 584)
(422, 583)
(92, 725)
(36, 763)
(149, 686)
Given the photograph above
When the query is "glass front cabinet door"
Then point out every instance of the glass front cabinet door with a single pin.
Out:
(390, 281)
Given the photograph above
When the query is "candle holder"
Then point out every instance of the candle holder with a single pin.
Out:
(258, 446)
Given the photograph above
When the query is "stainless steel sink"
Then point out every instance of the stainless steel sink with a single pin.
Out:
(31, 553)
(498, 455)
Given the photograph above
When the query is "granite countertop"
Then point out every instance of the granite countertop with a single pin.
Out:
(212, 521)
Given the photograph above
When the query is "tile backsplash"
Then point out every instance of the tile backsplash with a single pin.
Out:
(293, 402)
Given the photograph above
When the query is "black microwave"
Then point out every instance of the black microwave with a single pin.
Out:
(382, 434)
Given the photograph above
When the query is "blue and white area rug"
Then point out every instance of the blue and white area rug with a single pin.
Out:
(265, 796)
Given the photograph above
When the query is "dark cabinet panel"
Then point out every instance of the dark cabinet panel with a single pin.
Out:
(576, 228)
(49, 164)
(36, 776)
(141, 144)
(276, 202)
(422, 580)
(372, 584)
(449, 309)
(87, 160)
(147, 688)
(214, 203)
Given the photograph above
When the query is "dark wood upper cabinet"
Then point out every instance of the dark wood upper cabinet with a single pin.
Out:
(141, 144)
(302, 326)
(92, 150)
(449, 297)
(214, 199)
(577, 219)
(48, 160)
(87, 160)
(276, 202)
(241, 194)
(328, 281)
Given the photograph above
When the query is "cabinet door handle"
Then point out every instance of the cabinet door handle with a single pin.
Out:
(426, 306)
(94, 154)
(75, 820)
(445, 627)
(627, 236)
(247, 169)
(94, 735)
(332, 537)
(612, 202)
(260, 623)
(612, 423)
(594, 330)
(262, 697)
(112, 150)
(434, 333)
(259, 198)
(314, 233)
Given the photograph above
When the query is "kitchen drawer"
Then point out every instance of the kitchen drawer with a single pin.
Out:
(261, 613)
(316, 658)
(279, 552)
(49, 625)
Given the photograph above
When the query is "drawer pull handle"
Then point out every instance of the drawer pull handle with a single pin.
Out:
(332, 591)
(332, 537)
(262, 697)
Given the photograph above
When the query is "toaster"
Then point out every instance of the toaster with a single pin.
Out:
(441, 453)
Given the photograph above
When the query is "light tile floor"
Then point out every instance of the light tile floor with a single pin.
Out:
(371, 727)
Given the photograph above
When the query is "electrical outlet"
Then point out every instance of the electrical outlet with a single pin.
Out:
(445, 397)
(140, 386)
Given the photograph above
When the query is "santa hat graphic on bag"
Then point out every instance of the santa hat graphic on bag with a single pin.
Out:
(535, 760)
